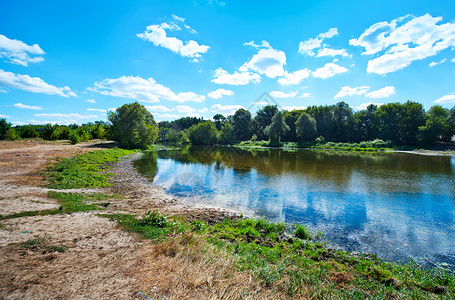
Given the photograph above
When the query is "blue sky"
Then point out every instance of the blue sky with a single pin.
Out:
(70, 62)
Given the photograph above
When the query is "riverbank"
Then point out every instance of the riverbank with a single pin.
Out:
(179, 252)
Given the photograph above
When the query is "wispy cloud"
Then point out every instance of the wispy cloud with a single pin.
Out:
(225, 109)
(237, 78)
(294, 77)
(96, 109)
(329, 70)
(18, 52)
(449, 98)
(435, 63)
(279, 94)
(32, 84)
(25, 106)
(308, 46)
(349, 91)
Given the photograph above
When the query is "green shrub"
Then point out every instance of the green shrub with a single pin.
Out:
(302, 232)
(153, 218)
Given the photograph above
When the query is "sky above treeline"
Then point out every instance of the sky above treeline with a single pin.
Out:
(72, 61)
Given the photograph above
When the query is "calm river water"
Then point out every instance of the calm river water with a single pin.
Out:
(396, 205)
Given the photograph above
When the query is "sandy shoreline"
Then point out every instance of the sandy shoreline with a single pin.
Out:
(101, 260)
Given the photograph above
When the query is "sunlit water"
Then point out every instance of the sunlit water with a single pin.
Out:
(396, 205)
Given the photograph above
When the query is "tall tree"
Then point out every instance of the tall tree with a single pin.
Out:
(306, 128)
(203, 134)
(290, 117)
(276, 129)
(242, 125)
(4, 126)
(263, 119)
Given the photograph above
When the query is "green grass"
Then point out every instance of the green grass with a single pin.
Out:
(86, 170)
(291, 264)
(69, 203)
(40, 244)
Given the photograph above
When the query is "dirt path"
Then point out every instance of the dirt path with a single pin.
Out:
(99, 261)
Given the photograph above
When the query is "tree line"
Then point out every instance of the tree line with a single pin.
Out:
(400, 124)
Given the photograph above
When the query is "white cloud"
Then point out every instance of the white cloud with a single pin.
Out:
(32, 84)
(91, 101)
(264, 44)
(167, 116)
(96, 109)
(158, 36)
(4, 116)
(381, 93)
(291, 108)
(309, 45)
(453, 60)
(185, 109)
(331, 52)
(261, 103)
(24, 106)
(18, 52)
(145, 90)
(435, 63)
(237, 78)
(62, 118)
(329, 70)
(349, 91)
(294, 77)
(157, 108)
(219, 93)
(268, 62)
(449, 98)
(225, 109)
(403, 41)
(18, 123)
(305, 95)
(365, 105)
(279, 94)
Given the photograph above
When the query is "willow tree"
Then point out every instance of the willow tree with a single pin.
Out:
(133, 126)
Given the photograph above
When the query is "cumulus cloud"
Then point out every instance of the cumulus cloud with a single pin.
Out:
(294, 77)
(32, 84)
(449, 98)
(381, 93)
(219, 93)
(365, 105)
(225, 109)
(141, 89)
(167, 116)
(18, 52)
(157, 34)
(453, 60)
(329, 70)
(268, 62)
(185, 109)
(62, 118)
(237, 78)
(25, 106)
(404, 40)
(279, 94)
(309, 45)
(91, 101)
(349, 91)
(435, 63)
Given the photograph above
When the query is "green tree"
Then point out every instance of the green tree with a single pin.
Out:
(290, 117)
(436, 126)
(227, 136)
(242, 125)
(276, 129)
(4, 126)
(263, 119)
(133, 126)
(305, 127)
(28, 131)
(203, 134)
(342, 115)
(11, 134)
(219, 120)
(411, 118)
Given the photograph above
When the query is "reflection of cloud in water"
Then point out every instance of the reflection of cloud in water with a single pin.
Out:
(393, 205)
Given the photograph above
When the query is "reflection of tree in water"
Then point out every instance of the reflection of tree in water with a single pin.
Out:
(147, 164)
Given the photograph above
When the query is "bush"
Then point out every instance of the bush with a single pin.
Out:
(227, 136)
(28, 131)
(74, 138)
(11, 134)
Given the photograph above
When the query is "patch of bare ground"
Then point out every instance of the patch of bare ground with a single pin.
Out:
(83, 256)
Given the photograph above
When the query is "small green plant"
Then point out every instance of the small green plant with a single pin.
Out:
(302, 232)
(198, 226)
(153, 218)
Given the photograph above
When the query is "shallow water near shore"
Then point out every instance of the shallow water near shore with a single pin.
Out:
(396, 205)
